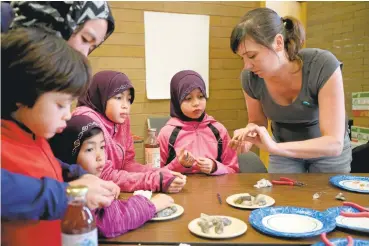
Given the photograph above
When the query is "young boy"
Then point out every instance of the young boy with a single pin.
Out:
(84, 30)
(41, 75)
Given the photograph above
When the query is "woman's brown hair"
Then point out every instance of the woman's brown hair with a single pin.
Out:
(263, 24)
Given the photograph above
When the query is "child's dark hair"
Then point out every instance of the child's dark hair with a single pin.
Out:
(263, 24)
(34, 62)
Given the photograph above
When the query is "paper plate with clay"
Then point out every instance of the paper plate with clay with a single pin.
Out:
(217, 226)
(351, 183)
(169, 213)
(247, 201)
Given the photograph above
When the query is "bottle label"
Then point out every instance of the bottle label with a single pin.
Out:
(86, 239)
(152, 157)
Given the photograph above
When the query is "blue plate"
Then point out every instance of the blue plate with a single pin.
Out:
(257, 216)
(343, 242)
(343, 182)
(334, 212)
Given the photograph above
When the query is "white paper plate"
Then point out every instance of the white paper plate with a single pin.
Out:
(179, 212)
(355, 184)
(357, 224)
(230, 200)
(237, 228)
(351, 183)
(292, 223)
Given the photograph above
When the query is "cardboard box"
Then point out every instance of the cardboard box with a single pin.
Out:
(360, 104)
(359, 134)
(360, 108)
(361, 121)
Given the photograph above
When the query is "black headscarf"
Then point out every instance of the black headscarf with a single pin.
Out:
(63, 17)
(67, 144)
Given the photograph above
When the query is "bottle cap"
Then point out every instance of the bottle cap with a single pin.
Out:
(78, 190)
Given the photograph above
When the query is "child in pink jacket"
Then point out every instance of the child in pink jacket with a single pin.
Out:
(83, 142)
(108, 102)
(192, 141)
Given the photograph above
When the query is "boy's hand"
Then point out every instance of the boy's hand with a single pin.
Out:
(100, 192)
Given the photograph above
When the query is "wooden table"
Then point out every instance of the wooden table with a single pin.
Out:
(199, 196)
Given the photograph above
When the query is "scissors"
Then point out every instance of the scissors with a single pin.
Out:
(287, 181)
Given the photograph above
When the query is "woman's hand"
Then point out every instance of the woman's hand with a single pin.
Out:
(259, 136)
(238, 142)
(244, 138)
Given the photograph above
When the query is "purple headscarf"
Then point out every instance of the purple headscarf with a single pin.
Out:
(67, 144)
(181, 85)
(104, 86)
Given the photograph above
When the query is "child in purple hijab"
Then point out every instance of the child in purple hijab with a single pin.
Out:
(192, 141)
(83, 142)
(108, 102)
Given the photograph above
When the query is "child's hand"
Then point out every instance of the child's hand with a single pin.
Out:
(115, 190)
(180, 175)
(162, 201)
(185, 158)
(206, 165)
(177, 184)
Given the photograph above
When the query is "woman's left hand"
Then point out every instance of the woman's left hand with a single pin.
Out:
(259, 136)
(206, 165)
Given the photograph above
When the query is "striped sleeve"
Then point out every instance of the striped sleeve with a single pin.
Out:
(124, 215)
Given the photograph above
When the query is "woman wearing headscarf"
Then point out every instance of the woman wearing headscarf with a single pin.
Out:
(84, 24)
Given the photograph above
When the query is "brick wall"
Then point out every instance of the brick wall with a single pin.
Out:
(125, 51)
(343, 28)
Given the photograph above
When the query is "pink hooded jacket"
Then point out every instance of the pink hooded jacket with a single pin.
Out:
(128, 174)
(197, 138)
(122, 169)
